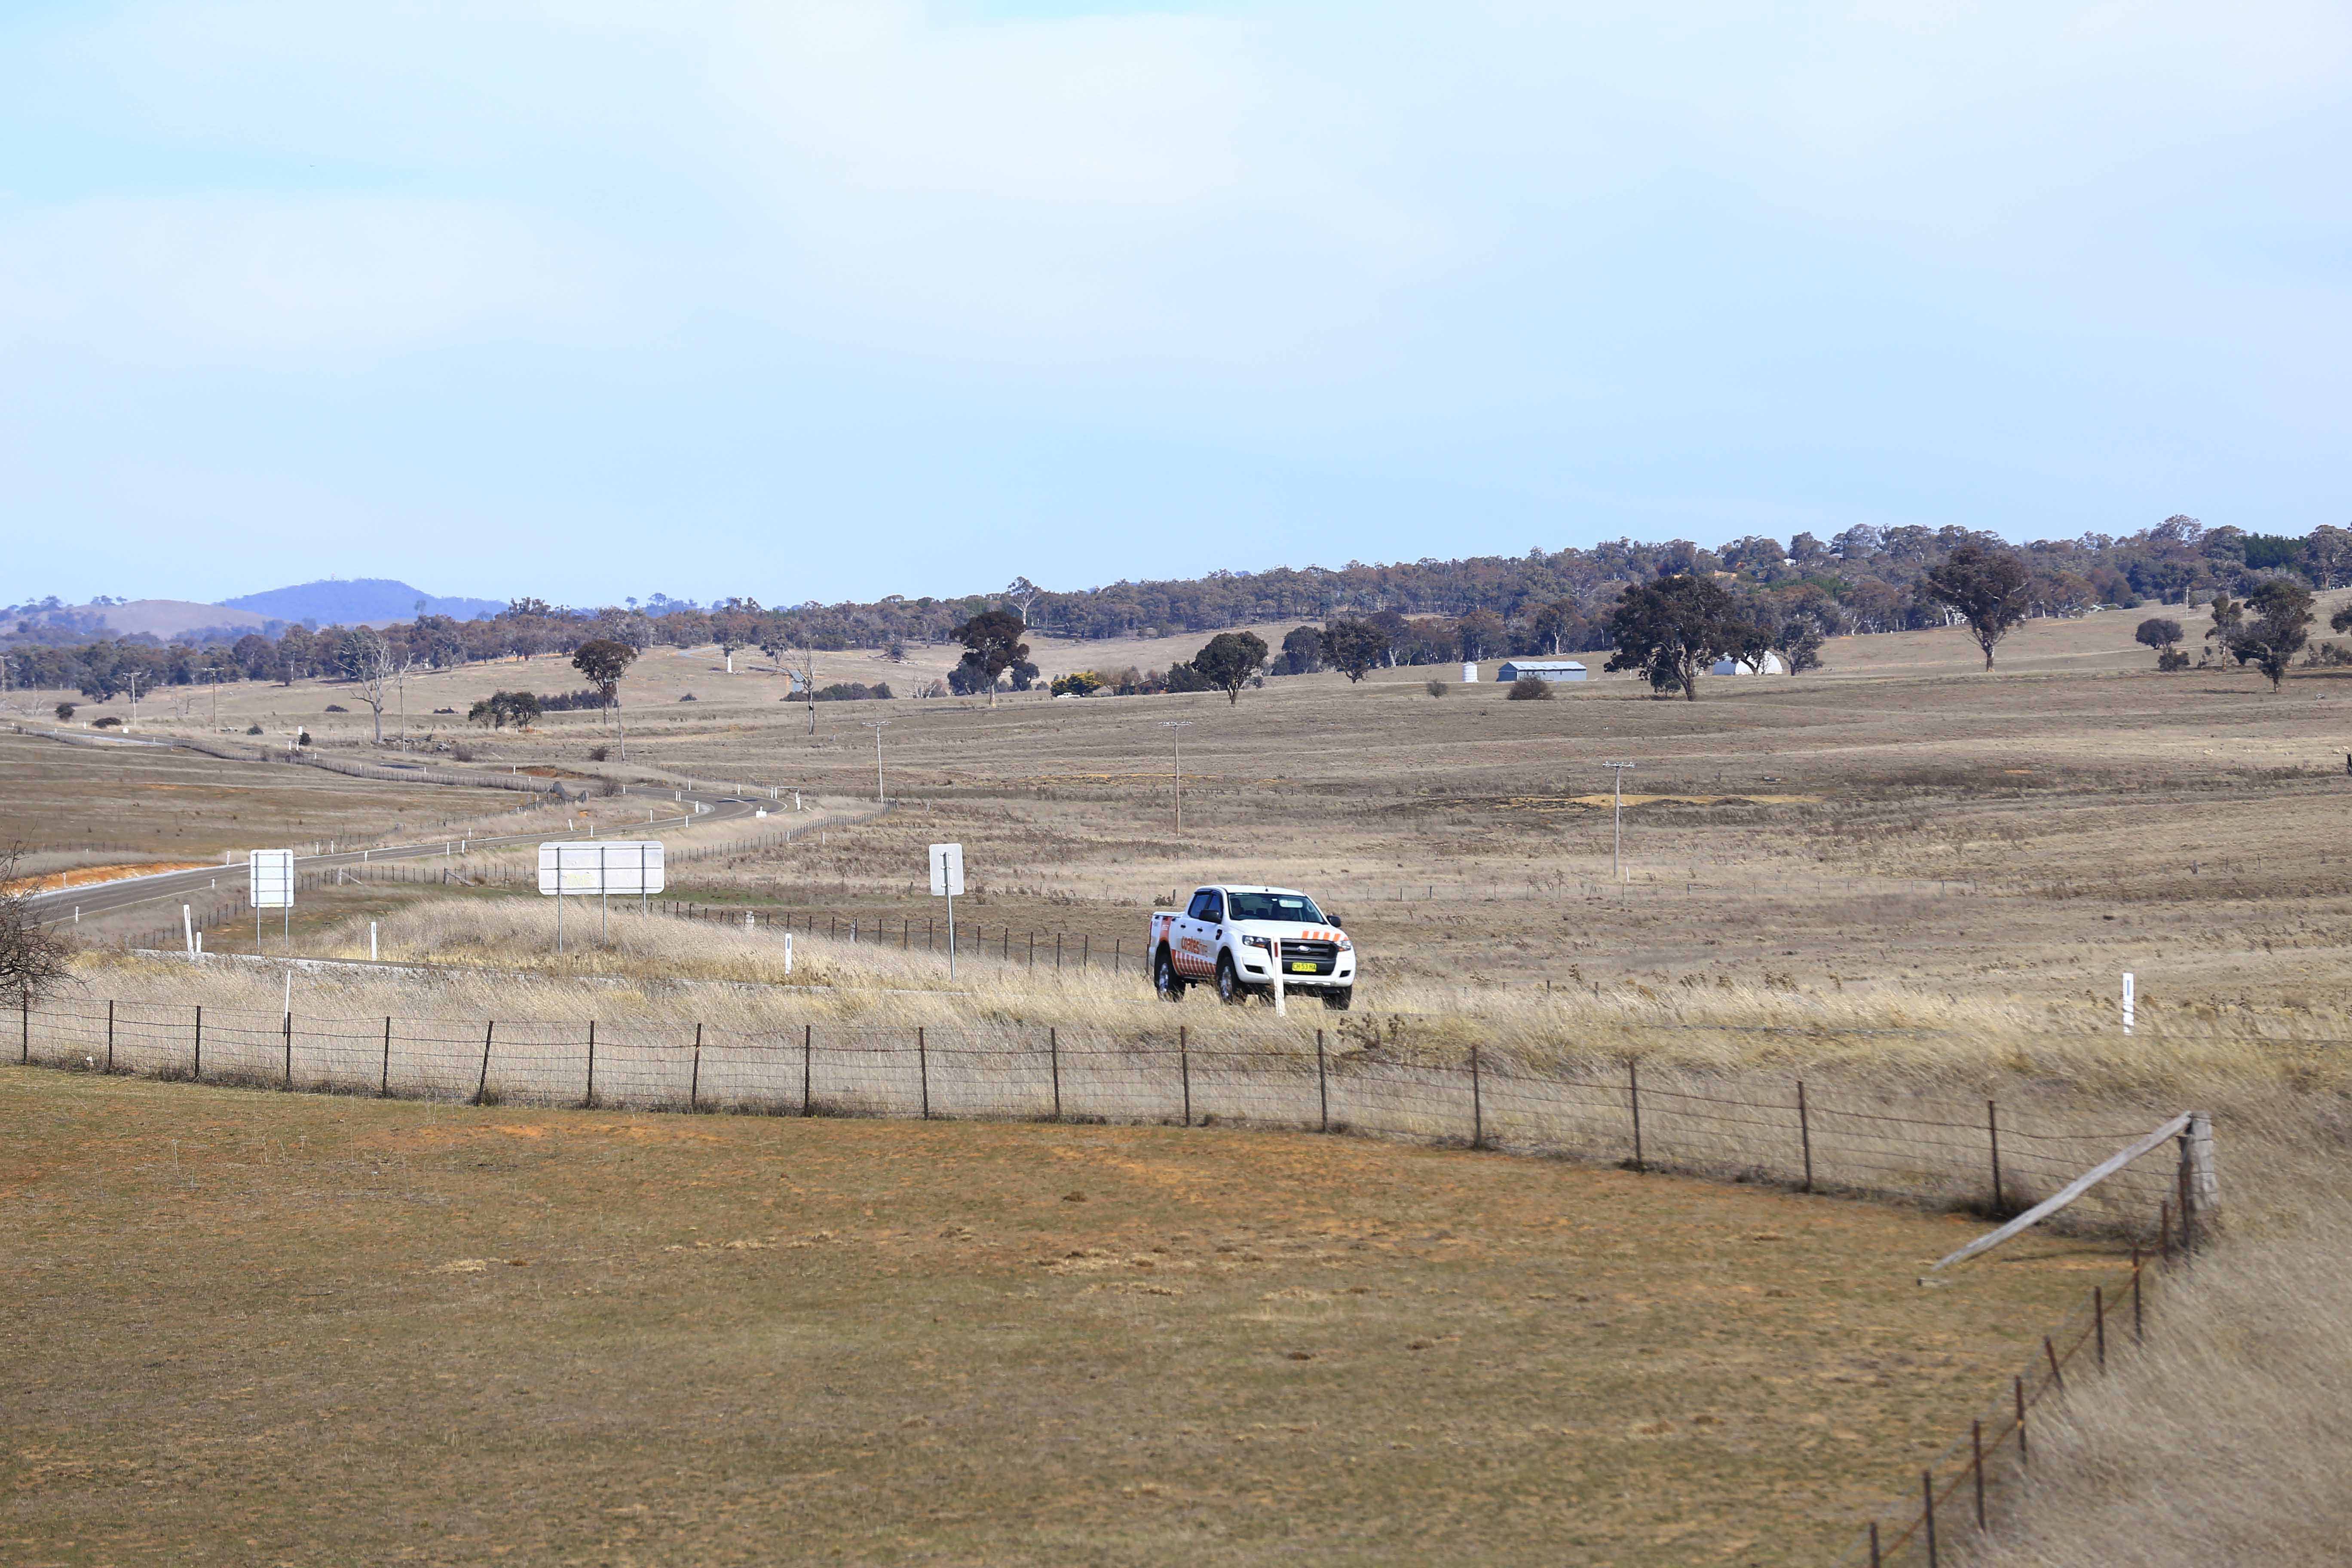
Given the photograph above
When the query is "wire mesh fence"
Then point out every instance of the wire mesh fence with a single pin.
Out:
(1811, 1137)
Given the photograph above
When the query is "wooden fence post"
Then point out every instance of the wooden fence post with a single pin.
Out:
(1184, 1068)
(1992, 1131)
(2018, 1384)
(1477, 1106)
(1322, 1084)
(1805, 1133)
(1927, 1488)
(1976, 1466)
(694, 1083)
(1633, 1098)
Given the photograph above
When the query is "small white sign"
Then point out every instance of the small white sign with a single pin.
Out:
(947, 871)
(272, 871)
(605, 865)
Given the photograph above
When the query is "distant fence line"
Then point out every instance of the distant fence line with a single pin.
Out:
(1740, 1127)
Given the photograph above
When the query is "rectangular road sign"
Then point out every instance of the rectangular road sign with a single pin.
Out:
(601, 866)
(947, 871)
(272, 871)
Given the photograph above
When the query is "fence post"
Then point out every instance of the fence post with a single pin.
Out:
(923, 1069)
(1805, 1132)
(808, 1051)
(2203, 1179)
(592, 1065)
(1322, 1083)
(1057, 952)
(2018, 1383)
(2138, 1337)
(1928, 1490)
(1184, 1068)
(1633, 1098)
(2184, 1181)
(1054, 1055)
(25, 1021)
(289, 1047)
(199, 1075)
(1477, 1106)
(109, 1037)
(1976, 1465)
(694, 1083)
(384, 1086)
(1992, 1131)
(482, 1087)
(2056, 1376)
(1874, 1545)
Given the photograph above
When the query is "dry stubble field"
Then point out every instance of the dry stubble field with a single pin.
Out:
(300, 1329)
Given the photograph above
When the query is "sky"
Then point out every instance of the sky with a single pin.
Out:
(835, 298)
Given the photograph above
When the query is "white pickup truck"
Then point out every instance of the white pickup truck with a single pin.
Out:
(1235, 936)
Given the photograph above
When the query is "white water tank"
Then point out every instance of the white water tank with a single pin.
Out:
(1469, 673)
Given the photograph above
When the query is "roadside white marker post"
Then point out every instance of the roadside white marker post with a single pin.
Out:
(1281, 1008)
(371, 941)
(947, 881)
(270, 874)
(188, 931)
(788, 952)
(2128, 999)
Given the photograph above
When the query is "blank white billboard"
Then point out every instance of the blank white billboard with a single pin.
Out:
(603, 866)
(272, 871)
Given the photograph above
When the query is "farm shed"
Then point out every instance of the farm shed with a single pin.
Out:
(1542, 669)
(1772, 666)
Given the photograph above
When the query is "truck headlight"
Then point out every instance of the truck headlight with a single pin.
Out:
(1262, 942)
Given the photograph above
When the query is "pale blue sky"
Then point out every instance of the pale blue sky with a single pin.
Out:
(831, 300)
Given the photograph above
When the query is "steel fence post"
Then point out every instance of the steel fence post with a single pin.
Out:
(591, 1103)
(383, 1085)
(1184, 1068)
(808, 1054)
(1054, 1056)
(1322, 1084)
(1477, 1107)
(694, 1082)
(1927, 1490)
(1992, 1131)
(482, 1086)
(1633, 1098)
(923, 1070)
(1805, 1133)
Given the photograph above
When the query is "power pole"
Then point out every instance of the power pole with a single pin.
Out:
(1617, 854)
(877, 726)
(1175, 728)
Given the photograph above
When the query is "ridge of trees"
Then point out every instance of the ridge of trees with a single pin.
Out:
(1555, 602)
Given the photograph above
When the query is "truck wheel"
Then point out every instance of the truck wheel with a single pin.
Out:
(1338, 1000)
(1164, 977)
(1230, 989)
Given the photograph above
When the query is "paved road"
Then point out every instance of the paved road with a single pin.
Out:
(709, 807)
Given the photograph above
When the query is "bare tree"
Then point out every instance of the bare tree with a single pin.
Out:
(368, 661)
(31, 960)
(1021, 594)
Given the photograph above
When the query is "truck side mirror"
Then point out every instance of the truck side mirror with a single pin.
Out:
(1337, 923)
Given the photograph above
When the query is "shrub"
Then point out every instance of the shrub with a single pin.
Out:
(1529, 689)
(598, 753)
(687, 698)
(301, 737)
(852, 692)
(106, 721)
(65, 710)
(337, 708)
(1436, 688)
(1080, 683)
(2170, 659)
(256, 728)
(571, 702)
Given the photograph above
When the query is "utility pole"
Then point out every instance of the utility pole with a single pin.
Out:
(1175, 728)
(134, 701)
(1617, 855)
(877, 726)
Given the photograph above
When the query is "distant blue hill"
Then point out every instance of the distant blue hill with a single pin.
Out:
(345, 601)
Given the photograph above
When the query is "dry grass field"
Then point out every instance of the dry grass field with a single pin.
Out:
(1903, 873)
(303, 1329)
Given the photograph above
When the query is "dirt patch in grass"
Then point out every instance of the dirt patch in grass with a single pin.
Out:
(267, 1327)
(89, 876)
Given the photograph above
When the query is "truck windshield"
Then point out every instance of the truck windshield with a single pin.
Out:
(1276, 907)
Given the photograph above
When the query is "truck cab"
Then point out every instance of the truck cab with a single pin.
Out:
(1233, 936)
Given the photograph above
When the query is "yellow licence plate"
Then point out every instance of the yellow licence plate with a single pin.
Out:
(1296, 968)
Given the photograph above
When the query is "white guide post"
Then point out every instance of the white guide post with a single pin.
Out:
(947, 881)
(188, 929)
(2128, 998)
